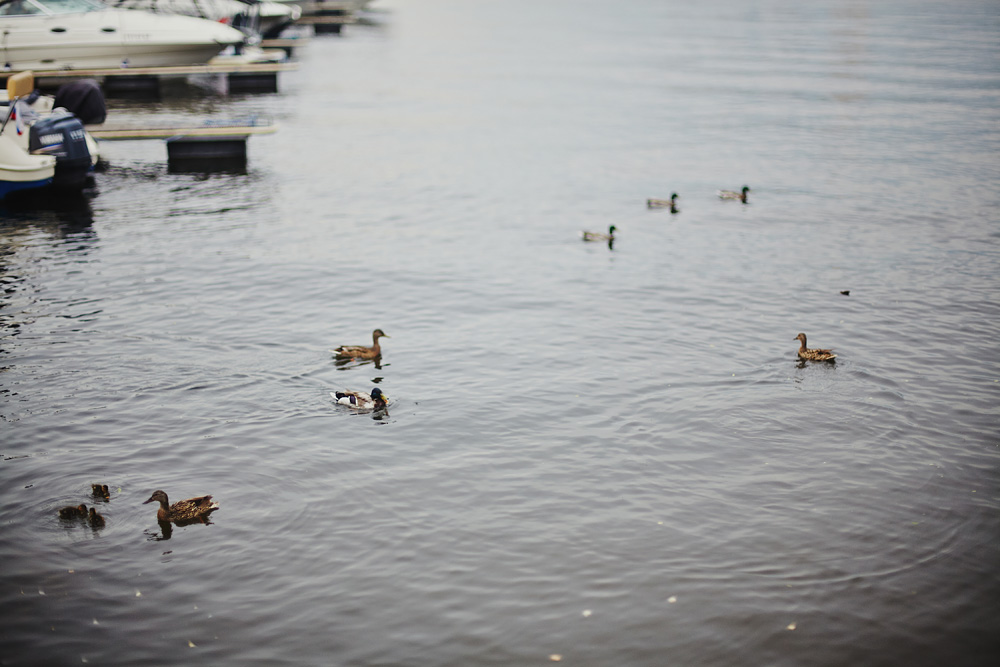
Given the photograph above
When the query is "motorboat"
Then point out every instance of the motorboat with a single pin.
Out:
(85, 34)
(42, 126)
(252, 17)
(20, 170)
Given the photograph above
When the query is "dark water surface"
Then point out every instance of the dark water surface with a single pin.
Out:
(610, 456)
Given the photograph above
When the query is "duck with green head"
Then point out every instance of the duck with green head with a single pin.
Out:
(732, 194)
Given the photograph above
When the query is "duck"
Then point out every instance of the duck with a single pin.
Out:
(101, 491)
(73, 512)
(192, 509)
(664, 203)
(95, 519)
(815, 354)
(360, 400)
(731, 194)
(598, 236)
(360, 351)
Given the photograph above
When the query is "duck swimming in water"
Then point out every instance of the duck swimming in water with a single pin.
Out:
(360, 400)
(598, 236)
(73, 512)
(664, 203)
(360, 351)
(183, 511)
(95, 519)
(815, 354)
(730, 194)
(100, 491)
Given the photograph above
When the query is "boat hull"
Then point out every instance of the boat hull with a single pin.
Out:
(21, 171)
(111, 38)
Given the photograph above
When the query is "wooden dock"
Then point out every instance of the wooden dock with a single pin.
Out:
(194, 146)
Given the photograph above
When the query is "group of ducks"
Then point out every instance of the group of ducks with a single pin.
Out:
(182, 512)
(805, 353)
(81, 511)
(360, 400)
(671, 203)
(198, 509)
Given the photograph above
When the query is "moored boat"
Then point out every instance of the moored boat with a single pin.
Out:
(84, 34)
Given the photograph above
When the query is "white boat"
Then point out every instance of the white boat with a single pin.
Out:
(39, 129)
(19, 170)
(84, 34)
(252, 17)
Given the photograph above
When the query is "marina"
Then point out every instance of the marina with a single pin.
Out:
(513, 333)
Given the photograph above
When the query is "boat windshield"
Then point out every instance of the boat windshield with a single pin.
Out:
(27, 7)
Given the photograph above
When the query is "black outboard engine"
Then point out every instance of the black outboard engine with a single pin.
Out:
(61, 135)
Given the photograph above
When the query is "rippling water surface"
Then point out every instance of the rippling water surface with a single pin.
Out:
(606, 455)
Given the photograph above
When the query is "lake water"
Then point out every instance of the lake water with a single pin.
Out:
(605, 456)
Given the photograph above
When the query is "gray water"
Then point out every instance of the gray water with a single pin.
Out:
(609, 456)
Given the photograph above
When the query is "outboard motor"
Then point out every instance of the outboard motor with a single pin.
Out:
(61, 135)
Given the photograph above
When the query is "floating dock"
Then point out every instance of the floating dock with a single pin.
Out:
(195, 146)
(261, 77)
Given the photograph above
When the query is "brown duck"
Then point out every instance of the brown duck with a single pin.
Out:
(814, 354)
(72, 512)
(95, 519)
(183, 511)
(360, 351)
(101, 491)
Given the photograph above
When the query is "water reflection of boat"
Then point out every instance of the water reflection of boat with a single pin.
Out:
(84, 34)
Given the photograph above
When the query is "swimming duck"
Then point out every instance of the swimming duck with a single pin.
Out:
(360, 351)
(95, 519)
(664, 203)
(816, 354)
(360, 400)
(730, 194)
(598, 236)
(73, 512)
(101, 491)
(192, 509)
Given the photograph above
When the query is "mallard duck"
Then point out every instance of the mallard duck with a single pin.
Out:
(360, 400)
(73, 512)
(95, 519)
(598, 236)
(360, 351)
(101, 491)
(815, 354)
(192, 509)
(730, 194)
(664, 203)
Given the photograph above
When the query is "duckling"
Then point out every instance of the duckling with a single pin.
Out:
(360, 400)
(730, 194)
(73, 512)
(95, 519)
(815, 354)
(845, 292)
(360, 351)
(183, 511)
(598, 236)
(664, 203)
(101, 491)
